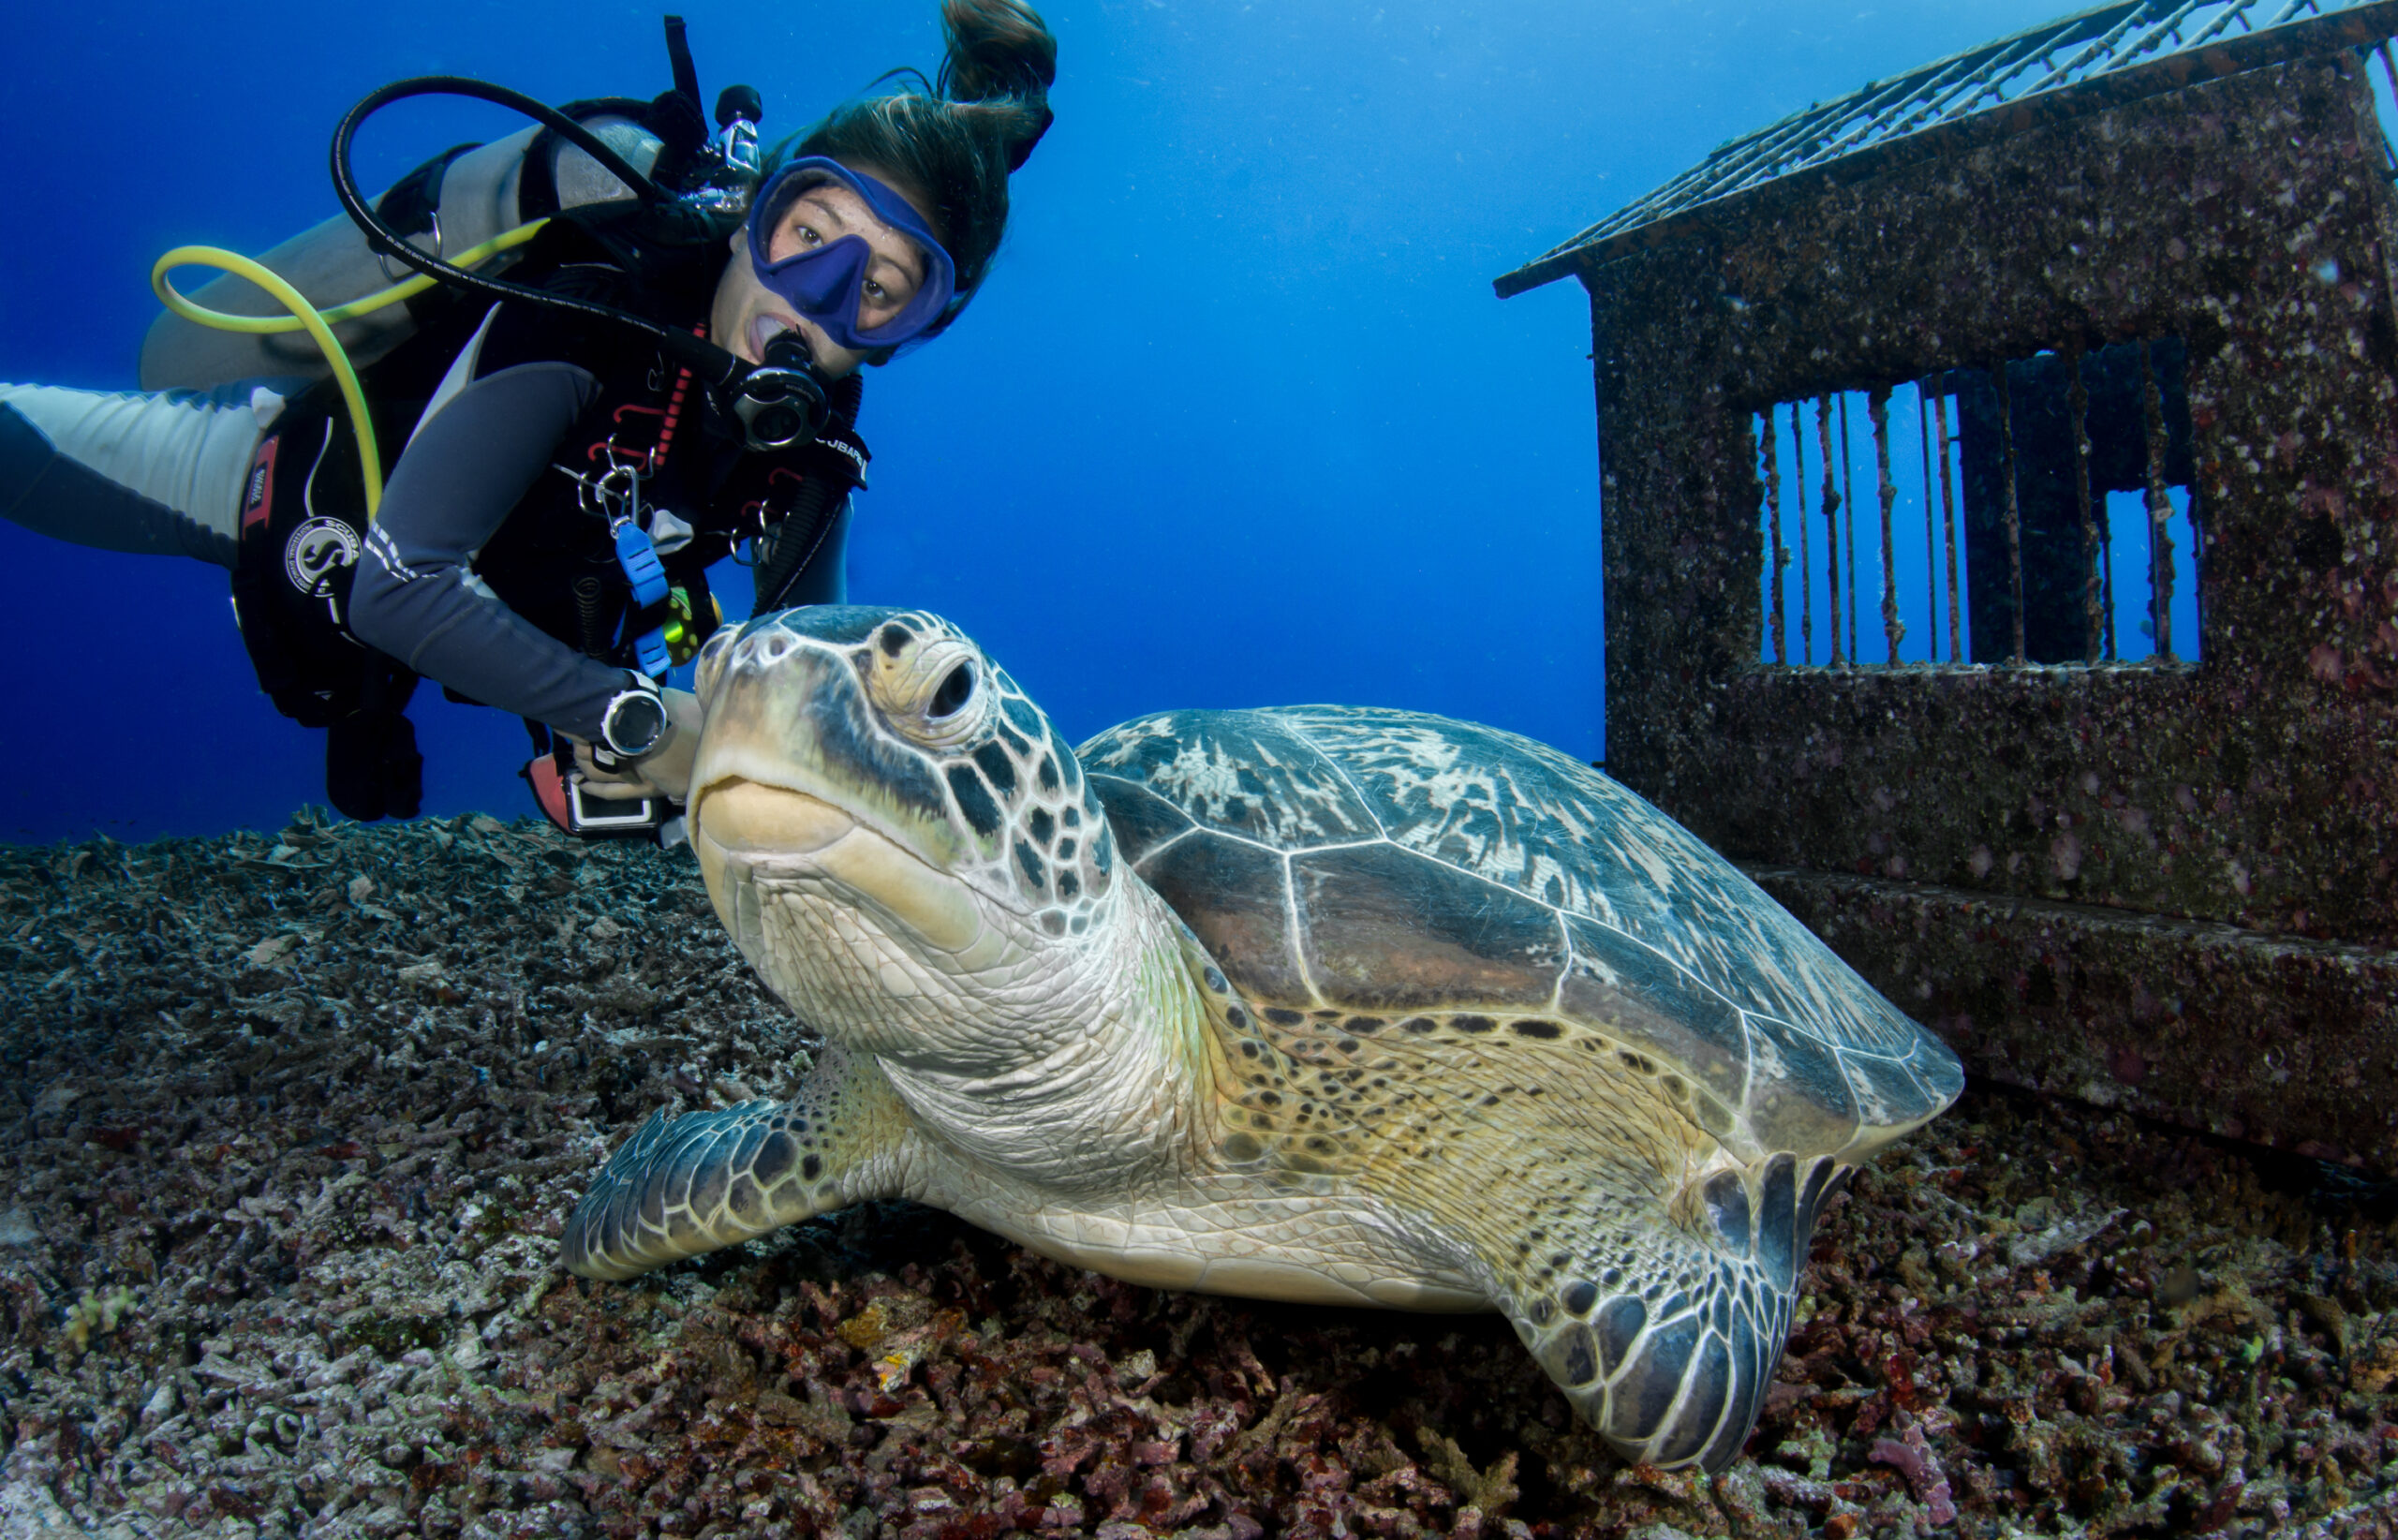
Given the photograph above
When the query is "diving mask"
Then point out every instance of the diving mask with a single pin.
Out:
(827, 283)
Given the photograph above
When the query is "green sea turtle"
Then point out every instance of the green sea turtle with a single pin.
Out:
(1331, 1004)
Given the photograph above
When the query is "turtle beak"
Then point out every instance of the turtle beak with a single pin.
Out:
(785, 711)
(734, 823)
(795, 790)
(753, 840)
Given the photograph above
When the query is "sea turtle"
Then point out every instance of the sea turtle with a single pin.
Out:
(1323, 1003)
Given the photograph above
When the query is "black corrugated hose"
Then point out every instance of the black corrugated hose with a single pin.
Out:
(803, 529)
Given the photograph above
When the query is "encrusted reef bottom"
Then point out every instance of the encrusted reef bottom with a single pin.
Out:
(292, 1124)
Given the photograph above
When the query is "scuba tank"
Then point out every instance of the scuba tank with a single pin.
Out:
(460, 199)
(455, 202)
(698, 193)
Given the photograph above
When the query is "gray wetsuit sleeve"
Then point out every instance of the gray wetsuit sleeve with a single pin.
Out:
(417, 597)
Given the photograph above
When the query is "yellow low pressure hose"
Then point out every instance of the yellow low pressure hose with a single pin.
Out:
(318, 324)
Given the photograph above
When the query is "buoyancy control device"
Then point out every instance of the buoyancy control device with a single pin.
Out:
(465, 198)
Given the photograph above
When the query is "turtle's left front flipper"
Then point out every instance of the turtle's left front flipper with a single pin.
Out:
(711, 1180)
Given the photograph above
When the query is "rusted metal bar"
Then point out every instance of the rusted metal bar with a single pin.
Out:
(1930, 540)
(2160, 509)
(1806, 584)
(2107, 550)
(2078, 409)
(1775, 556)
(2014, 508)
(1877, 411)
(1924, 100)
(1848, 501)
(1989, 82)
(1831, 524)
(2097, 49)
(1948, 520)
(2236, 12)
(1941, 98)
(2164, 31)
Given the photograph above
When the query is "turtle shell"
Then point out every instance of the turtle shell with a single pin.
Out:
(1355, 859)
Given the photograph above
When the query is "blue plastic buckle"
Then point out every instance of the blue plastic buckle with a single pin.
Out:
(637, 554)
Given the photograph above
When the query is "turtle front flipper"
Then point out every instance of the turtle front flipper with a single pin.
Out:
(1666, 1336)
(711, 1180)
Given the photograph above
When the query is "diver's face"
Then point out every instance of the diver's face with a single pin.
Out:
(748, 314)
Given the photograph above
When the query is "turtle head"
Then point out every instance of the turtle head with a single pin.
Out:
(894, 834)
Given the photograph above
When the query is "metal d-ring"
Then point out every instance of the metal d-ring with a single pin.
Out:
(613, 495)
(383, 260)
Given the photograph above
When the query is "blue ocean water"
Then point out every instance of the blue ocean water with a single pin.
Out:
(1237, 421)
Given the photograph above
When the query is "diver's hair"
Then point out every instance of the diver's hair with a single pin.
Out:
(956, 140)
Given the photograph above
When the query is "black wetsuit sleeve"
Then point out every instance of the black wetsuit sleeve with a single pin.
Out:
(416, 596)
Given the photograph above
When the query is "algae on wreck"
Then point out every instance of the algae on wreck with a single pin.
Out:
(2165, 885)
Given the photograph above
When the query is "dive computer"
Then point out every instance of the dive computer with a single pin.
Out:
(634, 722)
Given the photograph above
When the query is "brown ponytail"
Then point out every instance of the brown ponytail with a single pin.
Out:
(957, 143)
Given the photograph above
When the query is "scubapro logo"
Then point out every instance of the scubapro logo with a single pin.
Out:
(314, 552)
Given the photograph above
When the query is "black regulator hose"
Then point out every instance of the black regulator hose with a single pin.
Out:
(809, 518)
(714, 366)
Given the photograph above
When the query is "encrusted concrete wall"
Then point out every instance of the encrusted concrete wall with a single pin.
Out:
(2257, 794)
(2257, 1036)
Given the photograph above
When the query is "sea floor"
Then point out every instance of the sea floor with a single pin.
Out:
(292, 1124)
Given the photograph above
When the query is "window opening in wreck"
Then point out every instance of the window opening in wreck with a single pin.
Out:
(2385, 104)
(1905, 540)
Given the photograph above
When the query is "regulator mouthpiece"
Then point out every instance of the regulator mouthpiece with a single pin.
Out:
(783, 401)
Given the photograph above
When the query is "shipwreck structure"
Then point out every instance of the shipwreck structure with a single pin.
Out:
(2122, 288)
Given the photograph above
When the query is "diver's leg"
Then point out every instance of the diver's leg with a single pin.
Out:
(153, 474)
(711, 1180)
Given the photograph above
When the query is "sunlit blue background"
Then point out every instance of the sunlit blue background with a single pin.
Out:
(1237, 422)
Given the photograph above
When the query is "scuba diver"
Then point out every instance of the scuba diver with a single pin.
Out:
(667, 370)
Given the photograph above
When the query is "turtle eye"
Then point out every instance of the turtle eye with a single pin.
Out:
(954, 693)
(710, 666)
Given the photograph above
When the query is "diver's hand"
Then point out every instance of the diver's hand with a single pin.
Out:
(668, 767)
(623, 783)
(664, 771)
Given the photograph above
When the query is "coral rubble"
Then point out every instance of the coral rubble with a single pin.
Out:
(294, 1122)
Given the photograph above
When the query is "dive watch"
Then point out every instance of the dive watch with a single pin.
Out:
(634, 723)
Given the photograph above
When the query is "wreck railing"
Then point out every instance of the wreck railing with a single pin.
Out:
(2118, 40)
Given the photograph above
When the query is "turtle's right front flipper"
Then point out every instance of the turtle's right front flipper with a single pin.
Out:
(711, 1180)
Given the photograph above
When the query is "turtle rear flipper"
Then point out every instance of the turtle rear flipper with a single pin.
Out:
(1666, 1340)
(711, 1180)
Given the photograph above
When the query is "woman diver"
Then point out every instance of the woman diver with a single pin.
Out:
(542, 541)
